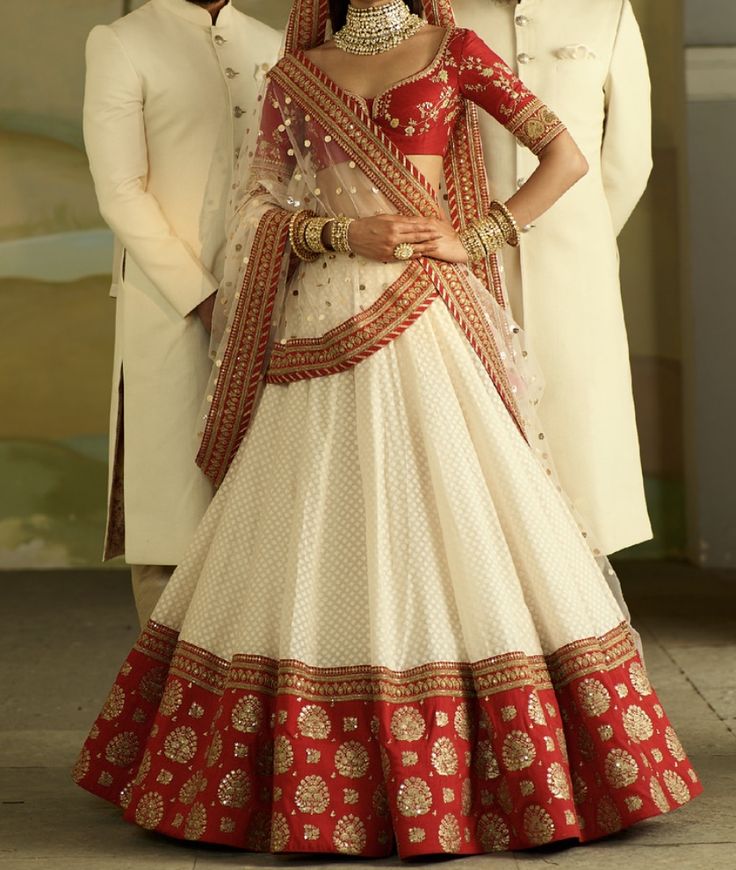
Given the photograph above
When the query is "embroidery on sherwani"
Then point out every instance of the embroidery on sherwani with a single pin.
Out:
(241, 368)
(358, 337)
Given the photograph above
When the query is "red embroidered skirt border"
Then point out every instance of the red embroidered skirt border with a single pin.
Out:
(268, 755)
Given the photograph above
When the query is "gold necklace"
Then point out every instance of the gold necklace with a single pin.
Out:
(378, 28)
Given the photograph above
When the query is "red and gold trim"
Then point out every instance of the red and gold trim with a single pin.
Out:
(507, 753)
(241, 368)
(357, 338)
(307, 25)
(535, 125)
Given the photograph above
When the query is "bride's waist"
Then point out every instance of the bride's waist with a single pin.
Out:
(338, 287)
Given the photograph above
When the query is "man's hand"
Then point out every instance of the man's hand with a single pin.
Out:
(205, 310)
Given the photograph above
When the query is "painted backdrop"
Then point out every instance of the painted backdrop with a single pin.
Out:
(57, 318)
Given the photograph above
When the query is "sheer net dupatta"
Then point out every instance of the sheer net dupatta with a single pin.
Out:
(265, 193)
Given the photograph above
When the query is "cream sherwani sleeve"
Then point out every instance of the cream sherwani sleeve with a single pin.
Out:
(627, 143)
(115, 140)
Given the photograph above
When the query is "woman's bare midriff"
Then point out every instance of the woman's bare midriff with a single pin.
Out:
(430, 165)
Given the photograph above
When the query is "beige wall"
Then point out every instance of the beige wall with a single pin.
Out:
(42, 63)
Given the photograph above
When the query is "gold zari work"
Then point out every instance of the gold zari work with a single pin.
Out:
(350, 835)
(518, 751)
(637, 724)
(538, 825)
(352, 760)
(414, 797)
(113, 706)
(196, 822)
(493, 833)
(621, 768)
(449, 834)
(283, 754)
(312, 795)
(314, 722)
(122, 749)
(171, 699)
(247, 714)
(608, 816)
(444, 757)
(150, 810)
(407, 724)
(234, 789)
(181, 744)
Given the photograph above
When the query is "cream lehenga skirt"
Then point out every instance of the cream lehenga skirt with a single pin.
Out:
(389, 632)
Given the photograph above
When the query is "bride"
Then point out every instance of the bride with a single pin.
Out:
(390, 630)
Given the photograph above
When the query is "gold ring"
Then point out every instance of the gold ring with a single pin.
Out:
(404, 251)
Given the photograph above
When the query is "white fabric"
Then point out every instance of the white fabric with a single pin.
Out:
(391, 515)
(162, 119)
(587, 62)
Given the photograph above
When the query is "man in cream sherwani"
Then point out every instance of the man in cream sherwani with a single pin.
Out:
(170, 89)
(585, 59)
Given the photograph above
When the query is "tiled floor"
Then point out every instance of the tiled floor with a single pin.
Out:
(65, 635)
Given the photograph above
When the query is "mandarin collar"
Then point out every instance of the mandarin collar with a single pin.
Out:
(196, 15)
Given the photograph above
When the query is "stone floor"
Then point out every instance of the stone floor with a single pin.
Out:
(65, 634)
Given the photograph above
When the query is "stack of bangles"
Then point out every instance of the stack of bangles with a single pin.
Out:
(307, 237)
(484, 237)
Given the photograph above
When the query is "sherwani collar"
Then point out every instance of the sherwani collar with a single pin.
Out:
(196, 15)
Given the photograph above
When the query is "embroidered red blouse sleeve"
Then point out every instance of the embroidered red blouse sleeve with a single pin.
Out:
(487, 80)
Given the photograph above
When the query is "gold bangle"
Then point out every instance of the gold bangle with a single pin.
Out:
(506, 221)
(491, 235)
(313, 234)
(472, 243)
(339, 235)
(296, 235)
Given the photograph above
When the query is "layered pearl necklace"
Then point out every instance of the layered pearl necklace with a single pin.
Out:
(378, 28)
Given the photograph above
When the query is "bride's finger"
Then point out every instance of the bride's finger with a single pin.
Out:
(419, 228)
(421, 238)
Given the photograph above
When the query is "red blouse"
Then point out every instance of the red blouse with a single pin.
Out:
(417, 113)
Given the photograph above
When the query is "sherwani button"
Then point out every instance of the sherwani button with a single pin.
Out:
(238, 112)
(520, 182)
(524, 57)
(230, 73)
(522, 20)
(220, 40)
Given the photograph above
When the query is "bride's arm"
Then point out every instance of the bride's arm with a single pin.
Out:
(561, 165)
(488, 81)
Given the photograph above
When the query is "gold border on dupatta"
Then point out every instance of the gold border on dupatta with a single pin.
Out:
(360, 336)
(241, 369)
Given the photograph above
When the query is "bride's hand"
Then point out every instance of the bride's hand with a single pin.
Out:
(376, 237)
(446, 245)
